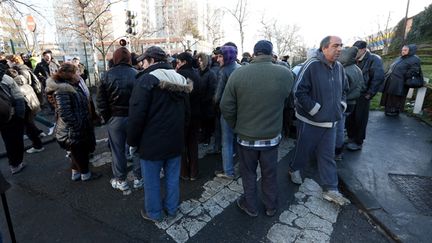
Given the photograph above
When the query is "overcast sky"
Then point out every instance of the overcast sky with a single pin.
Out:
(348, 19)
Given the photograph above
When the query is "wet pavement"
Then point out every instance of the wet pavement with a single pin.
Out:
(47, 206)
(391, 177)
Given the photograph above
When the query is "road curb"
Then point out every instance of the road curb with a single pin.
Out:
(371, 206)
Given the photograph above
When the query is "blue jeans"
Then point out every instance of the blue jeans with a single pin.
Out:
(117, 141)
(152, 197)
(227, 147)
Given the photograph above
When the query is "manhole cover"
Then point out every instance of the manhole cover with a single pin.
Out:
(418, 189)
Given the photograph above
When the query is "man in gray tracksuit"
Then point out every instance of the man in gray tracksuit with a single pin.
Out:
(319, 95)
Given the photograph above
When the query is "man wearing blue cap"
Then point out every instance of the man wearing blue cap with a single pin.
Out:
(252, 104)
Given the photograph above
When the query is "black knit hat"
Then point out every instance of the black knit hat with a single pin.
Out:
(154, 52)
(263, 47)
(360, 44)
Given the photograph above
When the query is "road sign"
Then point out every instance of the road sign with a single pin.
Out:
(31, 24)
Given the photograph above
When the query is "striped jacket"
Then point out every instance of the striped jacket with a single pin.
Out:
(319, 92)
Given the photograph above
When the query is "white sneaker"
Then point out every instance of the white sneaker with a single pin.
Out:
(137, 184)
(336, 197)
(296, 177)
(34, 150)
(42, 134)
(51, 130)
(119, 184)
(76, 176)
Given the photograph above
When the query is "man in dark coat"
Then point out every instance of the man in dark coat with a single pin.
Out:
(158, 113)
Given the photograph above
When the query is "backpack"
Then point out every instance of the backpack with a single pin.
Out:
(6, 105)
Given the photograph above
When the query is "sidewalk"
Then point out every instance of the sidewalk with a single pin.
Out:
(391, 177)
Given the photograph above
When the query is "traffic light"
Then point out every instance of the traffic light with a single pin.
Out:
(131, 23)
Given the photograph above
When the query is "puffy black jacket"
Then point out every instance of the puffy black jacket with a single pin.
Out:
(73, 125)
(114, 91)
(373, 73)
(158, 113)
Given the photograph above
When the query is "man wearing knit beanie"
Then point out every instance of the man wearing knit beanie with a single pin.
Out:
(113, 96)
(258, 124)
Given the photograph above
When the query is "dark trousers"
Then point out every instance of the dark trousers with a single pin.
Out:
(189, 162)
(356, 122)
(267, 157)
(317, 143)
(12, 134)
(80, 157)
(208, 128)
(31, 130)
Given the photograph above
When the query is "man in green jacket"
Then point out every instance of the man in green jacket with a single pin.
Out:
(252, 105)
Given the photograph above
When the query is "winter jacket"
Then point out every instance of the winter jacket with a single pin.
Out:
(158, 112)
(319, 92)
(401, 69)
(208, 86)
(195, 96)
(44, 70)
(114, 91)
(73, 124)
(30, 77)
(229, 54)
(254, 98)
(353, 74)
(373, 73)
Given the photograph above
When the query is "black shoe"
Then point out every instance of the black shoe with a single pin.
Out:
(146, 217)
(270, 212)
(242, 207)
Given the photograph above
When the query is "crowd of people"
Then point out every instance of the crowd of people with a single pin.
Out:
(161, 107)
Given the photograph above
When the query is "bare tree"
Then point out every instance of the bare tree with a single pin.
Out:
(89, 20)
(240, 13)
(213, 20)
(286, 38)
(385, 34)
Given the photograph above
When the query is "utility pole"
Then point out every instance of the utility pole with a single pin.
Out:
(405, 23)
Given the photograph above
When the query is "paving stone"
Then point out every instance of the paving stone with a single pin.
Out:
(222, 181)
(101, 159)
(299, 196)
(311, 188)
(178, 233)
(280, 233)
(189, 205)
(308, 236)
(287, 217)
(225, 197)
(212, 208)
(214, 185)
(235, 186)
(192, 225)
(200, 214)
(167, 222)
(324, 209)
(299, 210)
(311, 221)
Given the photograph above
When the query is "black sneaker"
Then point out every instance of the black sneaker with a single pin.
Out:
(244, 208)
(145, 216)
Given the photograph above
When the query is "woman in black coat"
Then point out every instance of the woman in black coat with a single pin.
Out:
(74, 129)
(395, 91)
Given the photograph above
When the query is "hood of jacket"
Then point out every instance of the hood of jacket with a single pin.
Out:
(348, 56)
(58, 85)
(205, 59)
(412, 50)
